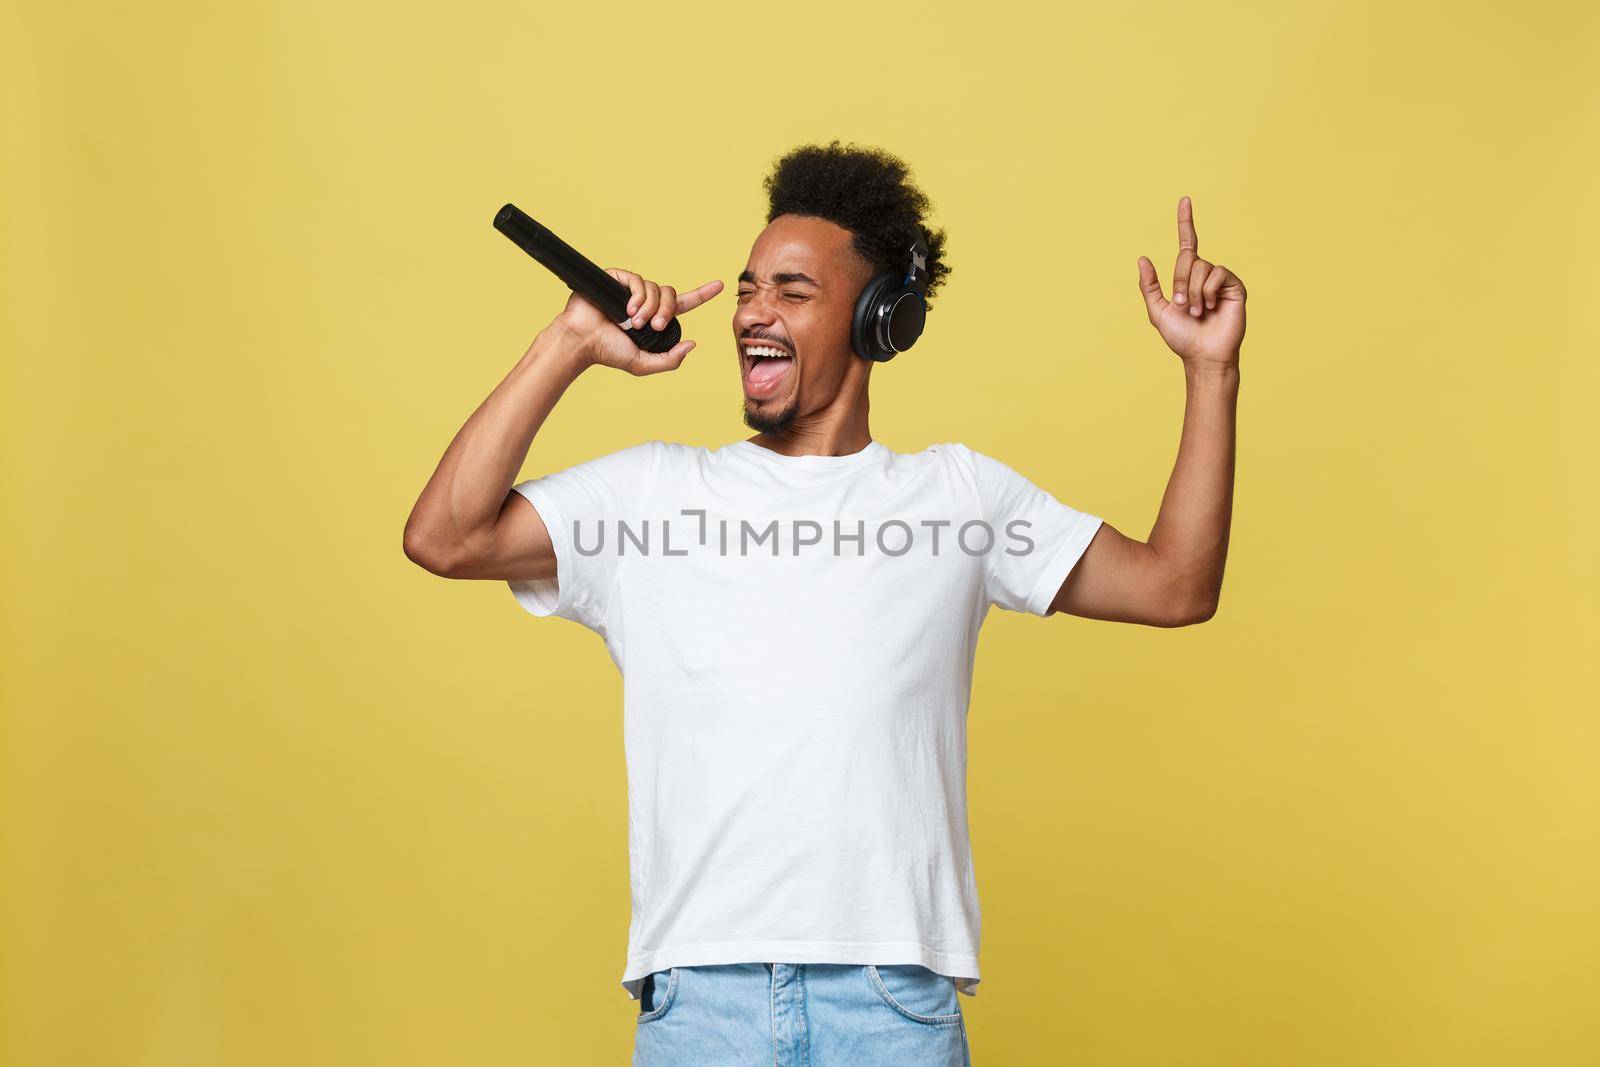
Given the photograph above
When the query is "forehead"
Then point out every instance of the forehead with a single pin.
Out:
(802, 243)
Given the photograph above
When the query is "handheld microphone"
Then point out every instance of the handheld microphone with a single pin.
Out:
(582, 277)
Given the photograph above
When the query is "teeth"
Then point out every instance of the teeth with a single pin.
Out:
(766, 352)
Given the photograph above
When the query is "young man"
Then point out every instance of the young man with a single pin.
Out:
(795, 617)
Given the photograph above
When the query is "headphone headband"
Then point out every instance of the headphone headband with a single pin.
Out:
(917, 270)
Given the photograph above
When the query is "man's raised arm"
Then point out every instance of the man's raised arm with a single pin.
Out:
(1175, 579)
(468, 523)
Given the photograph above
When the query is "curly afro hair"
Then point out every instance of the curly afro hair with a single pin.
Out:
(868, 192)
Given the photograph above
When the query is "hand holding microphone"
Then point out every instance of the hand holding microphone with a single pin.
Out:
(653, 307)
(624, 320)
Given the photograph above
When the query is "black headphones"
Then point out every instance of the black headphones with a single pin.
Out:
(891, 310)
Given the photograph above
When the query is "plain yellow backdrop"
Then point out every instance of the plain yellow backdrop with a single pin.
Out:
(274, 795)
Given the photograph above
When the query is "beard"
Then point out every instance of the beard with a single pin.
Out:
(774, 423)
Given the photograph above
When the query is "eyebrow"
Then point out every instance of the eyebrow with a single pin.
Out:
(782, 278)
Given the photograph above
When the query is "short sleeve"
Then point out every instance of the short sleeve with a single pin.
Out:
(580, 507)
(1037, 538)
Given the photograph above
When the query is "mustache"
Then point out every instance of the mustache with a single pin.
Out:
(751, 338)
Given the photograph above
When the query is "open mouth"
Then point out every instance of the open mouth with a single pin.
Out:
(766, 367)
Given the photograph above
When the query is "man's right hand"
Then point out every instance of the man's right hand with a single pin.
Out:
(602, 341)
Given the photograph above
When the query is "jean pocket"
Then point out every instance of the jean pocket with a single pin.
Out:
(657, 995)
(919, 994)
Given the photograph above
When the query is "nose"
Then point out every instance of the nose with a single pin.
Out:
(757, 313)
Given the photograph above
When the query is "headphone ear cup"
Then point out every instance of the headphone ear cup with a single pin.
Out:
(862, 339)
(908, 313)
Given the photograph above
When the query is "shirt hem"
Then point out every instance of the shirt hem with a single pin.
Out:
(961, 966)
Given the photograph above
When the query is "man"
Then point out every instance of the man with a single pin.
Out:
(795, 617)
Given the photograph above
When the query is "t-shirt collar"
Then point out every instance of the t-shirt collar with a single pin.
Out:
(874, 450)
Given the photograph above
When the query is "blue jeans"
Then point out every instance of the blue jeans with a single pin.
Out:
(800, 1015)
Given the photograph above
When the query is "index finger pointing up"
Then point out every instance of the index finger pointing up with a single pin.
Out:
(1186, 235)
(1188, 248)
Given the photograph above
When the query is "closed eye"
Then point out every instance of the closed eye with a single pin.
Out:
(745, 294)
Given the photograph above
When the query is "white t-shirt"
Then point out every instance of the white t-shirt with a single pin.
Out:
(796, 638)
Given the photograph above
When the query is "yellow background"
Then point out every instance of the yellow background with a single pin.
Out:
(274, 795)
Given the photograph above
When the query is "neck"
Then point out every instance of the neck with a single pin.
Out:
(839, 429)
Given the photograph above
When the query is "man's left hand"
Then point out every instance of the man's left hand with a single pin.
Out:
(1204, 321)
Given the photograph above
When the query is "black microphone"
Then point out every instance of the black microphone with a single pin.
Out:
(582, 277)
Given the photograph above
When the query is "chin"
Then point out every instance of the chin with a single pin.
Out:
(773, 419)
